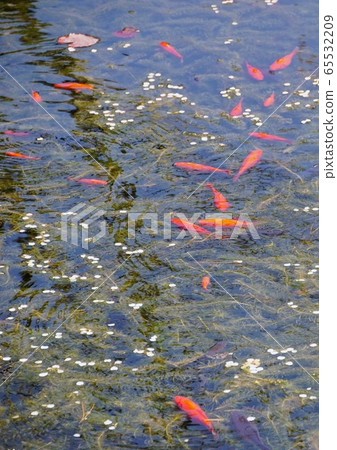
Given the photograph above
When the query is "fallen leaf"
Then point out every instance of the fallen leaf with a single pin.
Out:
(76, 40)
(126, 32)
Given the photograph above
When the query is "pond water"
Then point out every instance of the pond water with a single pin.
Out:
(97, 337)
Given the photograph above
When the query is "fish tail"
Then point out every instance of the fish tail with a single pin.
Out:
(215, 435)
(236, 177)
(209, 185)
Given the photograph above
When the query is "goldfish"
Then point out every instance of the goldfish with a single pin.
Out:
(269, 100)
(21, 155)
(89, 181)
(200, 167)
(126, 32)
(36, 96)
(247, 430)
(205, 282)
(189, 226)
(269, 137)
(194, 412)
(219, 200)
(224, 223)
(283, 62)
(237, 110)
(73, 86)
(254, 72)
(250, 161)
(16, 133)
(168, 47)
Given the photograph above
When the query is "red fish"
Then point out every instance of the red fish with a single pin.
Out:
(237, 110)
(200, 167)
(219, 200)
(249, 161)
(269, 100)
(269, 137)
(16, 133)
(90, 181)
(168, 47)
(126, 32)
(21, 155)
(194, 412)
(224, 223)
(254, 72)
(283, 62)
(73, 86)
(205, 282)
(189, 226)
(36, 96)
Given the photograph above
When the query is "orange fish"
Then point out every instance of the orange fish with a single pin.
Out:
(269, 100)
(168, 47)
(237, 110)
(36, 96)
(254, 72)
(16, 133)
(205, 282)
(89, 181)
(269, 137)
(224, 223)
(21, 155)
(199, 167)
(249, 161)
(189, 226)
(73, 86)
(194, 412)
(283, 62)
(219, 200)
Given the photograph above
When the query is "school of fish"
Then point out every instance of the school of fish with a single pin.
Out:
(194, 412)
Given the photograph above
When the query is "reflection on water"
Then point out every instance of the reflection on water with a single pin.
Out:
(96, 343)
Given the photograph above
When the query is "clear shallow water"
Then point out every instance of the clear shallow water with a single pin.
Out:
(164, 110)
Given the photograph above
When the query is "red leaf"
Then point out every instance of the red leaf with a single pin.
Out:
(78, 40)
(127, 32)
